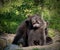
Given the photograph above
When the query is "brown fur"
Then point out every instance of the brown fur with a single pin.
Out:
(28, 27)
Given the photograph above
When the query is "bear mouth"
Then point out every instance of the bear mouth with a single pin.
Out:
(35, 28)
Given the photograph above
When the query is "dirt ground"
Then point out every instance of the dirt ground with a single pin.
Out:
(7, 39)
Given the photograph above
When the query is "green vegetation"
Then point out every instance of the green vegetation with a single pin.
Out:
(38, 49)
(13, 12)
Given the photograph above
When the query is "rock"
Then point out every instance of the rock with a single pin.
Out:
(12, 47)
(3, 42)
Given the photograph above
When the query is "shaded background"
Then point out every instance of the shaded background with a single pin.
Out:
(13, 12)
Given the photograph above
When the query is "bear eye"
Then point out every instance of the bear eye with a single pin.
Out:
(39, 21)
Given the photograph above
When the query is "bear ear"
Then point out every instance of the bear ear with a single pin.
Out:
(27, 22)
